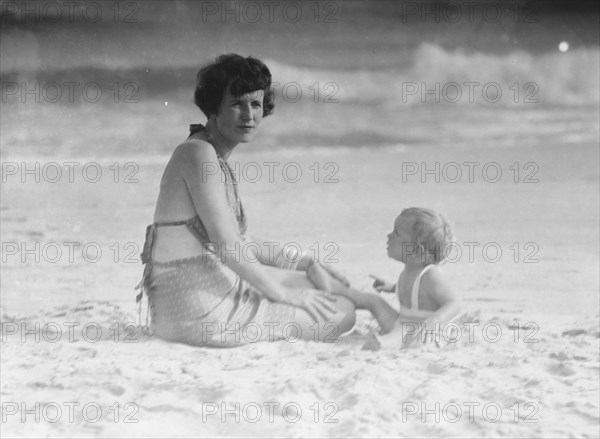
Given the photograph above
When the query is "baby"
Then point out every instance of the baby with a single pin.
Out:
(419, 240)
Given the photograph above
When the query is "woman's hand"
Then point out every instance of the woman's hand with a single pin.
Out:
(318, 304)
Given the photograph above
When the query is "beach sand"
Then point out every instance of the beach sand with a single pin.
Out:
(528, 367)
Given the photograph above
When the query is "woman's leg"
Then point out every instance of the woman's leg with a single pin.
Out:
(382, 311)
(303, 326)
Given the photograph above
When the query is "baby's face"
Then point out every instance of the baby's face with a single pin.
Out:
(401, 242)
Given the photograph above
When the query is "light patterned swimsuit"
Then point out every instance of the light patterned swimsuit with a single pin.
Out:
(200, 301)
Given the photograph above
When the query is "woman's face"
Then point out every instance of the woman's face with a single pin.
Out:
(239, 116)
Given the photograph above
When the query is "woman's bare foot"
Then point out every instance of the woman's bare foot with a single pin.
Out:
(323, 280)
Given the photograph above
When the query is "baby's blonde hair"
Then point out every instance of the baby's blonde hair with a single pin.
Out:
(431, 232)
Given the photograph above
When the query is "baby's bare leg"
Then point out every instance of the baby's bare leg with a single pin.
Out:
(386, 315)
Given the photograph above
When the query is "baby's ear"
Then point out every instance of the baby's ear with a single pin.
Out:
(426, 255)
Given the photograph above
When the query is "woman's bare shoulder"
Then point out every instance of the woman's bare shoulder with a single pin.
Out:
(195, 151)
(196, 162)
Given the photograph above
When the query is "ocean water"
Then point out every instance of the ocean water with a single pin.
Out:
(354, 74)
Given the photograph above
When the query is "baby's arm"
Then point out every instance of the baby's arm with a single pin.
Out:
(382, 285)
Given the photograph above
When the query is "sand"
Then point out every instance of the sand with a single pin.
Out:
(528, 368)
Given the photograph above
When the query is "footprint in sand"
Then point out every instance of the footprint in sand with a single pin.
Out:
(574, 332)
(349, 400)
(436, 368)
(83, 307)
(531, 383)
(561, 356)
(115, 389)
(41, 385)
(87, 353)
(561, 369)
(210, 393)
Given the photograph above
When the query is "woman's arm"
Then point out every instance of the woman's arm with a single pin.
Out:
(278, 254)
(208, 196)
(289, 256)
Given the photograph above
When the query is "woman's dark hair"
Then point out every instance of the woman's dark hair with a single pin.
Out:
(234, 74)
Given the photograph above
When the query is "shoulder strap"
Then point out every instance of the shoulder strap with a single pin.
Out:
(414, 298)
(195, 128)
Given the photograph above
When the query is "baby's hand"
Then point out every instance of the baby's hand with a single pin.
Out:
(382, 285)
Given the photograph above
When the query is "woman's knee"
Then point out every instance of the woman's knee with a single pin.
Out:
(348, 316)
(325, 331)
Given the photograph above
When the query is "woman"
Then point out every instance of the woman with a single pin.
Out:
(200, 289)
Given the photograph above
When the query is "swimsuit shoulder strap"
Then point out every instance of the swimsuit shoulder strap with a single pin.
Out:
(414, 299)
(196, 128)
